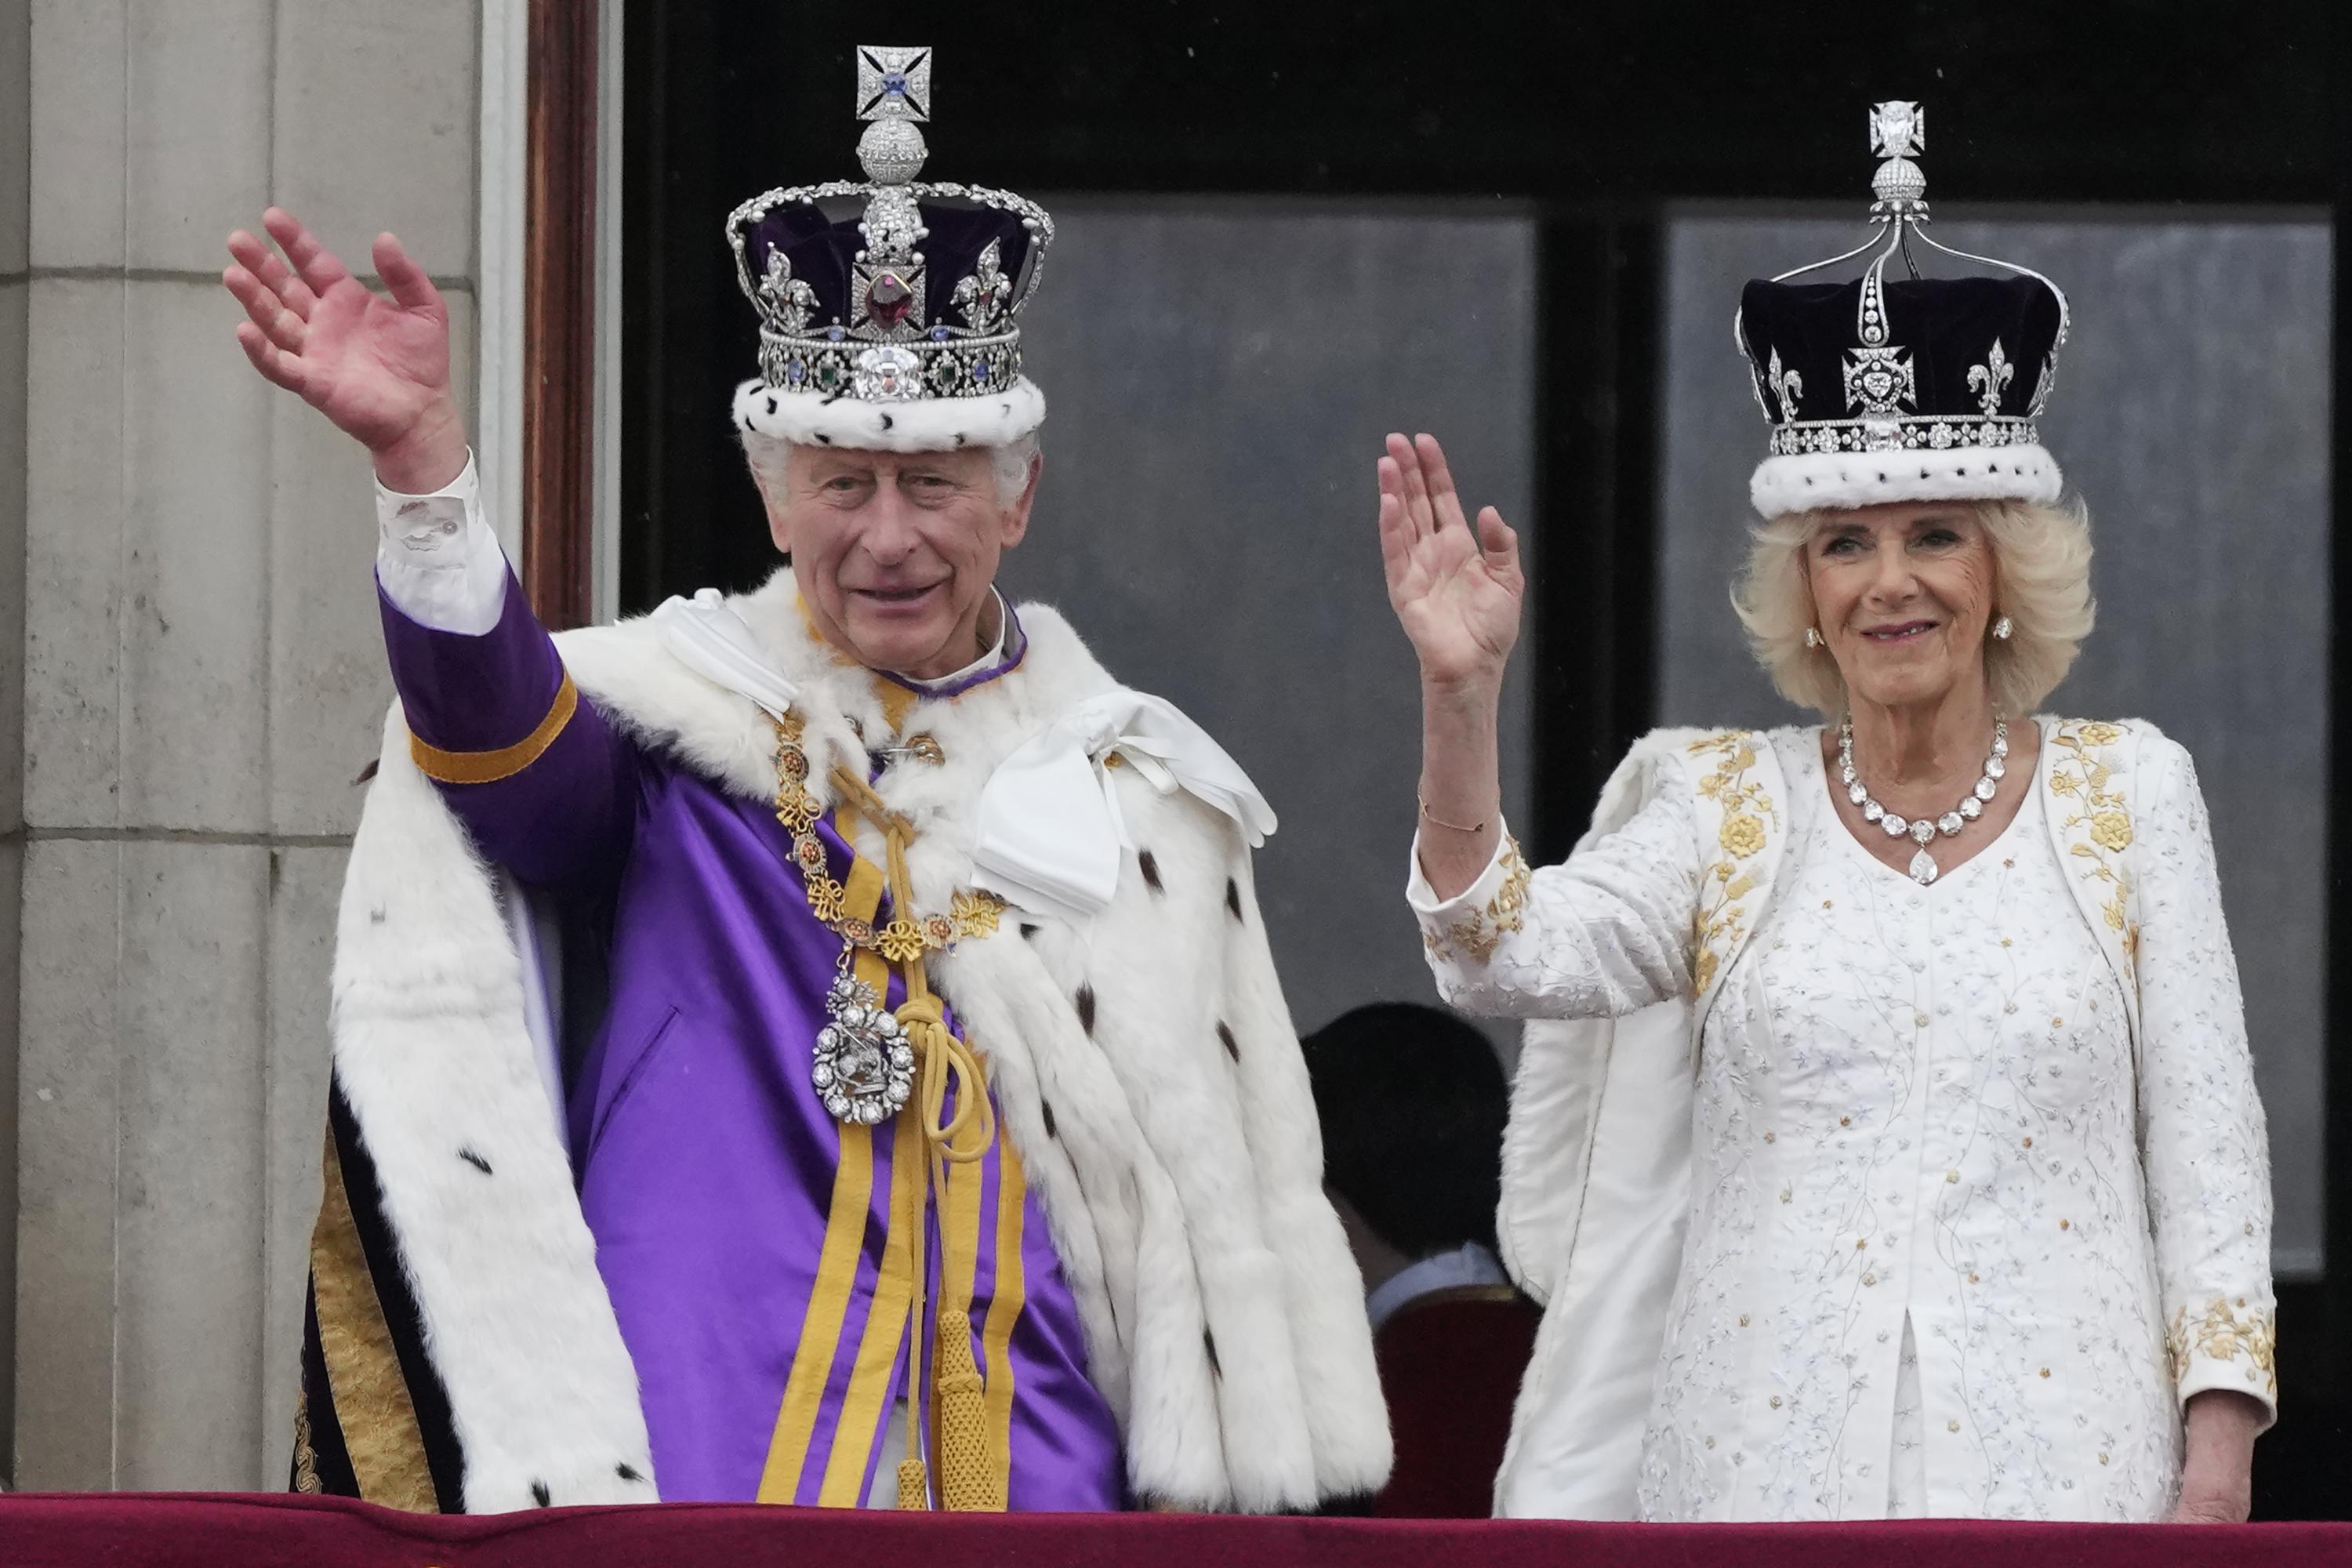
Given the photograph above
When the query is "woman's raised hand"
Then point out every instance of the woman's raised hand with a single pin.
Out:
(1456, 592)
(378, 368)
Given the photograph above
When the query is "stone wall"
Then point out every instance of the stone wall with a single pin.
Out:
(185, 607)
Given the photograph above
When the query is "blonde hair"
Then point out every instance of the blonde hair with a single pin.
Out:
(2042, 576)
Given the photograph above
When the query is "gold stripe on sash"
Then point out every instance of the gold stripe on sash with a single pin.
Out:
(844, 1243)
(489, 768)
(1003, 1313)
(885, 1327)
(371, 1401)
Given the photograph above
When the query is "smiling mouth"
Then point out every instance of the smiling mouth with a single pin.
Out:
(896, 596)
(1909, 631)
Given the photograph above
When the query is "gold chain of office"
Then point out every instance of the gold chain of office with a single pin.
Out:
(903, 939)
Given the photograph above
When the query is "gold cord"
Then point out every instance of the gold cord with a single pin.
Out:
(960, 1413)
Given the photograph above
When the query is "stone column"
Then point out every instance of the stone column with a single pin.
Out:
(16, 125)
(184, 570)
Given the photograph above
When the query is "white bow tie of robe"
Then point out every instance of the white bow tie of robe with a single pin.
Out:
(1051, 838)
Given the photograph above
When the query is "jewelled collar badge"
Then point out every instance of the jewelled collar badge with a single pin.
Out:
(1959, 370)
(915, 299)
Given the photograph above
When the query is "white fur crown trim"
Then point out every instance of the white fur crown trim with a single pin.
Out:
(1813, 481)
(918, 425)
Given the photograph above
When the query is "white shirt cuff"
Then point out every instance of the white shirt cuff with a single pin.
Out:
(437, 558)
(1439, 913)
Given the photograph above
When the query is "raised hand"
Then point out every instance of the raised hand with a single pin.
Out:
(377, 368)
(1456, 592)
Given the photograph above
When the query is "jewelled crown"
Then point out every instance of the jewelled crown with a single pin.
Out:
(1913, 389)
(889, 307)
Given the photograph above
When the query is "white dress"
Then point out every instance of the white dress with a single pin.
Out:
(1940, 1223)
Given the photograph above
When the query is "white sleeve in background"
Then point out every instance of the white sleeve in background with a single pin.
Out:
(437, 560)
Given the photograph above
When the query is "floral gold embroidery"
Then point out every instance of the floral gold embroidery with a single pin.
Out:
(2223, 1334)
(1749, 815)
(1742, 834)
(2098, 805)
(1482, 931)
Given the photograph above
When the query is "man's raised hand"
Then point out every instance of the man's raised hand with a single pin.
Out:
(378, 368)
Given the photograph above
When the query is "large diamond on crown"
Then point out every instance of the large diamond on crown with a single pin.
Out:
(886, 375)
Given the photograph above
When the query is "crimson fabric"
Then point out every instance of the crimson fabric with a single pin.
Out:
(1450, 1367)
(221, 1531)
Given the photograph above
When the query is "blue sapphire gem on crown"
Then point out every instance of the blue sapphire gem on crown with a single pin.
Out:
(895, 83)
(835, 334)
(938, 334)
(796, 372)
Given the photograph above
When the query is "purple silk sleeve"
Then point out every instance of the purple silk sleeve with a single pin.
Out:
(564, 814)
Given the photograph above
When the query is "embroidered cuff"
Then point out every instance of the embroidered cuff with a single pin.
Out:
(2229, 1345)
(1473, 923)
(437, 560)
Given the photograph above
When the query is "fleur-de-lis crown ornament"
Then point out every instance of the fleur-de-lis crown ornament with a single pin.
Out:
(1904, 388)
(889, 307)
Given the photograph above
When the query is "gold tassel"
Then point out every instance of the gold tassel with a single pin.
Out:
(912, 1493)
(967, 1479)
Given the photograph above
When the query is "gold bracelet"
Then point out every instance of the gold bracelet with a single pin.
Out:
(1441, 822)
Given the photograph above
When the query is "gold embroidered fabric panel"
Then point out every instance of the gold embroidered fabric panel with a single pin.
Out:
(380, 1428)
(2097, 827)
(1749, 817)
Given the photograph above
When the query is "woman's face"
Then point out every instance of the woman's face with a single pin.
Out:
(1902, 594)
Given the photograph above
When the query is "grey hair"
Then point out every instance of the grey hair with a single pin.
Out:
(1011, 463)
(2041, 574)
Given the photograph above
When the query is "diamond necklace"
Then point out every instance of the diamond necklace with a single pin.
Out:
(1923, 869)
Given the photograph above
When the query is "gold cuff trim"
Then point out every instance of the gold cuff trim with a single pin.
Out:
(489, 768)
(2225, 1333)
(1481, 931)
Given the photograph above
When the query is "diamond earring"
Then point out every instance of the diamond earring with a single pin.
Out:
(1813, 636)
(2003, 629)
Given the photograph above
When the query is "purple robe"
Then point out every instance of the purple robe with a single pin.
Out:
(707, 1168)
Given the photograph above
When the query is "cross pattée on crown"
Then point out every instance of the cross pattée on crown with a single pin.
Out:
(894, 84)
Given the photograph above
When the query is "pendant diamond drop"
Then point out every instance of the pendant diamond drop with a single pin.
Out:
(1923, 830)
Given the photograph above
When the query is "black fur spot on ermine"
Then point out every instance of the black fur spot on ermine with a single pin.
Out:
(1028, 932)
(627, 1472)
(1209, 1341)
(1150, 871)
(1233, 898)
(1086, 1009)
(475, 1160)
(541, 1495)
(1048, 1107)
(1225, 1033)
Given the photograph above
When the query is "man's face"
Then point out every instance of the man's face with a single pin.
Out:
(894, 552)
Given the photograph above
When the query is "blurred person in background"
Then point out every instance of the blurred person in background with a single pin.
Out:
(941, 1139)
(1902, 1154)
(1412, 1102)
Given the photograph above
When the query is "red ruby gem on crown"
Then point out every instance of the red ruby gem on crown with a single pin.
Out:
(888, 299)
